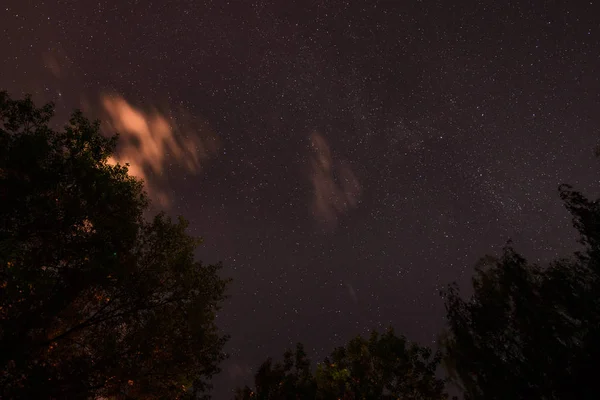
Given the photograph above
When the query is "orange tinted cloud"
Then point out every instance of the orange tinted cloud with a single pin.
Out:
(58, 62)
(332, 197)
(150, 141)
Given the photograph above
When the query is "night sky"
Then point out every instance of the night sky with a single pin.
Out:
(344, 159)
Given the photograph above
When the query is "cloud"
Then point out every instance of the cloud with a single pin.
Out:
(153, 142)
(239, 370)
(352, 293)
(51, 62)
(336, 189)
(57, 61)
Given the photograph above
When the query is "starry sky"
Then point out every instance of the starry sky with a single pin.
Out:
(344, 159)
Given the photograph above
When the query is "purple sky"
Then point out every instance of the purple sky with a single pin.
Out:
(343, 159)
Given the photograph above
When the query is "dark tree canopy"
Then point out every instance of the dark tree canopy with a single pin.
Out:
(385, 366)
(529, 331)
(94, 299)
(382, 367)
(292, 379)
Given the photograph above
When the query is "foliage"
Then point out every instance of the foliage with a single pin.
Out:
(527, 331)
(291, 379)
(94, 300)
(382, 367)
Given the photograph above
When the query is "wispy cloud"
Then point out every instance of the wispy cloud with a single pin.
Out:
(152, 142)
(336, 188)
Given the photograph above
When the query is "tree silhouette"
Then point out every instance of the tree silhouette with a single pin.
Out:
(530, 331)
(383, 367)
(95, 301)
(291, 379)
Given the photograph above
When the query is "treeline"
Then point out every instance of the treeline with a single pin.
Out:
(97, 301)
